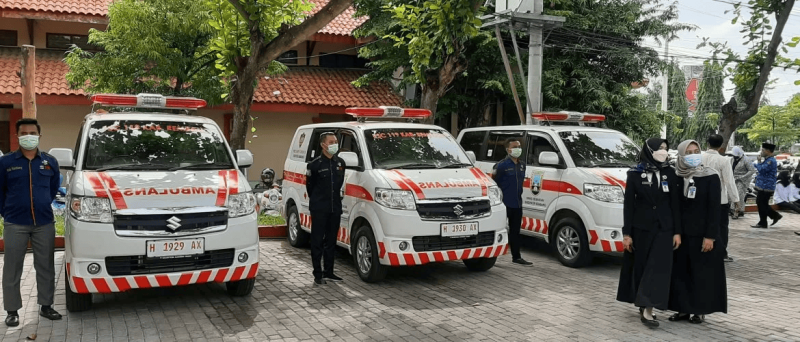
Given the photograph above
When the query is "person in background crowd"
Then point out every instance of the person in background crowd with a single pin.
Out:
(786, 196)
(509, 174)
(765, 185)
(796, 183)
(651, 231)
(29, 180)
(712, 159)
(698, 285)
(743, 172)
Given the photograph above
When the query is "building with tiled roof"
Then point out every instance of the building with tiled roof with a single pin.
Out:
(315, 89)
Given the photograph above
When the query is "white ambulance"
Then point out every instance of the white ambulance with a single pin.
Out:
(155, 200)
(574, 179)
(411, 196)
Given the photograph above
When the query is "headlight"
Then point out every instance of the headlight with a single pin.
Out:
(604, 193)
(495, 195)
(241, 204)
(91, 209)
(395, 199)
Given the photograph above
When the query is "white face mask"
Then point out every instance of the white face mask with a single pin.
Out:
(516, 152)
(693, 160)
(660, 156)
(333, 148)
(29, 142)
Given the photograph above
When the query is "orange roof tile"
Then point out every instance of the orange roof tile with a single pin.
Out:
(343, 25)
(300, 85)
(90, 7)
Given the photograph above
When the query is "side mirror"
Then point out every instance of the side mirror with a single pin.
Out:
(471, 156)
(244, 158)
(350, 160)
(64, 158)
(548, 158)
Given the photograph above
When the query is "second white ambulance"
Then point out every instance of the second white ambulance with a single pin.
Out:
(412, 195)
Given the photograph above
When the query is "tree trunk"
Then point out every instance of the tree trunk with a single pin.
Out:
(436, 85)
(242, 97)
(429, 101)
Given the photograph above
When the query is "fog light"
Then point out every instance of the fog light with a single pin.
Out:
(93, 268)
(242, 257)
(499, 238)
(614, 235)
(403, 246)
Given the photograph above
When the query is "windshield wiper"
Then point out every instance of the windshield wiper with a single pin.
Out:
(611, 164)
(413, 166)
(454, 166)
(124, 166)
(202, 166)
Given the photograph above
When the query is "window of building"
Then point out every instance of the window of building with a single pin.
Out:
(8, 38)
(341, 61)
(65, 41)
(288, 57)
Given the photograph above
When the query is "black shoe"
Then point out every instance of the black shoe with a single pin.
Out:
(12, 320)
(332, 277)
(679, 317)
(650, 323)
(777, 219)
(522, 261)
(763, 226)
(697, 319)
(727, 259)
(49, 313)
(641, 311)
(319, 281)
(797, 233)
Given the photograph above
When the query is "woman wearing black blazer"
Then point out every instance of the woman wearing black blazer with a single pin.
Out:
(650, 231)
(698, 271)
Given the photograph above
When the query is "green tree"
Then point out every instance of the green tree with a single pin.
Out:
(151, 46)
(425, 39)
(678, 106)
(779, 124)
(710, 99)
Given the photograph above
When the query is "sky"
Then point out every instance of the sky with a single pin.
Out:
(711, 20)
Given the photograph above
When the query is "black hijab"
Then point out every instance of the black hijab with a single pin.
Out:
(796, 179)
(646, 160)
(784, 178)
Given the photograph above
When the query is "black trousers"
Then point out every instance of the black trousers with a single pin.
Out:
(764, 210)
(724, 221)
(324, 228)
(790, 206)
(514, 223)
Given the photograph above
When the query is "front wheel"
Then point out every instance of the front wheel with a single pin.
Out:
(365, 256)
(297, 236)
(480, 264)
(240, 288)
(76, 302)
(570, 243)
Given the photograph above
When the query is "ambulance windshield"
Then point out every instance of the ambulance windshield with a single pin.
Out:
(600, 149)
(409, 148)
(154, 145)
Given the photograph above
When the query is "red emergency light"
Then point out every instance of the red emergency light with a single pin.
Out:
(148, 101)
(388, 112)
(569, 117)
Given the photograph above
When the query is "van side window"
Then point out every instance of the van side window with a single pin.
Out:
(77, 145)
(473, 141)
(349, 143)
(496, 145)
(314, 149)
(536, 145)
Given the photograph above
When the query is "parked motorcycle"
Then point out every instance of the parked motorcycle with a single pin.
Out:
(268, 193)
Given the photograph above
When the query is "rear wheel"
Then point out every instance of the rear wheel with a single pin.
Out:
(366, 258)
(76, 302)
(297, 236)
(570, 243)
(480, 264)
(240, 288)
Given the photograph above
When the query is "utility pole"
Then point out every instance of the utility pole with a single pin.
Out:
(27, 78)
(664, 94)
(535, 50)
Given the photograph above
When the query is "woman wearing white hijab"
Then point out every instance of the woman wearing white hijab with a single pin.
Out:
(698, 273)
(743, 172)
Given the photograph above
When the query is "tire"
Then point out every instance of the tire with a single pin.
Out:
(480, 264)
(76, 302)
(365, 256)
(296, 235)
(240, 288)
(570, 243)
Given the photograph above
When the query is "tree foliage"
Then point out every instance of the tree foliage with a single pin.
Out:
(779, 124)
(151, 46)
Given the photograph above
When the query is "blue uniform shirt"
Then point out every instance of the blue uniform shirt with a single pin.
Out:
(767, 174)
(510, 177)
(28, 188)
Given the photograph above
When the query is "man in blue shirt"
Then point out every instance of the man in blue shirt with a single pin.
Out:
(29, 180)
(509, 174)
(766, 179)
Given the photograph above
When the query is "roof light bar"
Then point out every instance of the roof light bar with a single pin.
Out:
(148, 101)
(569, 117)
(388, 112)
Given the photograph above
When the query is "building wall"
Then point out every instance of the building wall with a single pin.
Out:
(42, 27)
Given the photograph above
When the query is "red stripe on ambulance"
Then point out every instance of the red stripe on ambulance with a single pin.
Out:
(116, 195)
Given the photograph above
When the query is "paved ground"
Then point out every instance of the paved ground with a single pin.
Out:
(441, 302)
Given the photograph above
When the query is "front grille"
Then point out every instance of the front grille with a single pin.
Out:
(438, 243)
(140, 264)
(158, 222)
(447, 211)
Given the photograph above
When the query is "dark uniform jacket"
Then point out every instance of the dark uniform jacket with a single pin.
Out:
(647, 206)
(324, 180)
(28, 188)
(701, 213)
(510, 177)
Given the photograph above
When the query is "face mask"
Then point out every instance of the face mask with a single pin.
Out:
(29, 142)
(333, 148)
(516, 152)
(660, 156)
(693, 160)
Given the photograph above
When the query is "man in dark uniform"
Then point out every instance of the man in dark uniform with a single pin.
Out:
(324, 180)
(29, 180)
(509, 174)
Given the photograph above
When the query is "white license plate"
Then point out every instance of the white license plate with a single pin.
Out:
(459, 229)
(176, 247)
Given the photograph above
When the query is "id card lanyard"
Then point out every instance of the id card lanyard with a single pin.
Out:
(692, 189)
(664, 184)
